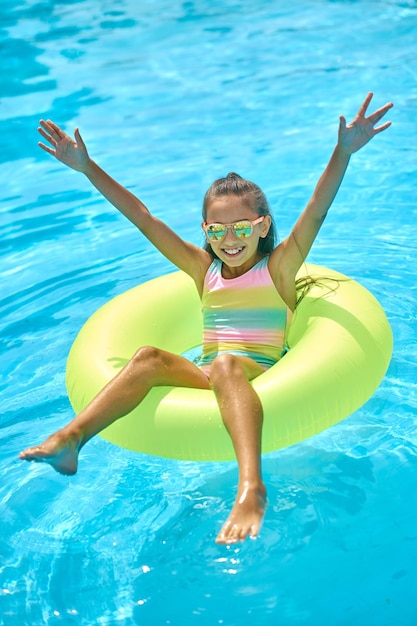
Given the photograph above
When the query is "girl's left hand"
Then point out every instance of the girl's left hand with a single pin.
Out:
(355, 135)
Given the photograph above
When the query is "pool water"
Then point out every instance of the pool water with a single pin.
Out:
(169, 96)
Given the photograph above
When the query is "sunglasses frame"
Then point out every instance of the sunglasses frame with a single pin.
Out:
(232, 227)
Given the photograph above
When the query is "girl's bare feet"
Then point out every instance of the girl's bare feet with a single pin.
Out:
(246, 517)
(59, 450)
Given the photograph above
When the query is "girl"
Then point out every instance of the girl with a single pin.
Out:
(239, 258)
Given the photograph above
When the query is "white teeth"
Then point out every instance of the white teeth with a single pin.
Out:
(233, 251)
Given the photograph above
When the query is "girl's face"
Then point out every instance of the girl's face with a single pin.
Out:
(238, 254)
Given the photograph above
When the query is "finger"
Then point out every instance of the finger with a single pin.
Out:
(48, 133)
(364, 106)
(46, 148)
(55, 129)
(46, 136)
(379, 113)
(54, 126)
(342, 123)
(379, 129)
(46, 126)
(79, 139)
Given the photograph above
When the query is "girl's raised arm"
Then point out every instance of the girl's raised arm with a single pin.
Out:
(351, 138)
(74, 154)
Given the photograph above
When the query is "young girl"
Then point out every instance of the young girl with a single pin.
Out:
(247, 286)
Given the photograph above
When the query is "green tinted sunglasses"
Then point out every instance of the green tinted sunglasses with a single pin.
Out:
(241, 229)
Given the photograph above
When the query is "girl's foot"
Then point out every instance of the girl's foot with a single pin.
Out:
(246, 517)
(59, 450)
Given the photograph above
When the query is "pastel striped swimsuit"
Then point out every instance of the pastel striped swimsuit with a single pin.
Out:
(243, 316)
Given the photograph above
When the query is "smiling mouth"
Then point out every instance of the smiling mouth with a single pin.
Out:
(232, 251)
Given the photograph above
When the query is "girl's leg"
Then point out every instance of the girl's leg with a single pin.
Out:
(148, 368)
(242, 414)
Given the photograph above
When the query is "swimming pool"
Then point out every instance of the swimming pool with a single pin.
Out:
(170, 95)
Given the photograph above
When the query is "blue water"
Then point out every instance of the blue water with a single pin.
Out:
(170, 95)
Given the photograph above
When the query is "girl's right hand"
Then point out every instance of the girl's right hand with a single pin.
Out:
(72, 153)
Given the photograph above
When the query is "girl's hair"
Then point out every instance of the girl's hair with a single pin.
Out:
(252, 195)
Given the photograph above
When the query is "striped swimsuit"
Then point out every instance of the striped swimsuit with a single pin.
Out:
(243, 316)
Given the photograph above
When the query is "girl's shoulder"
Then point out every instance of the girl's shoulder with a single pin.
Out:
(200, 269)
(275, 259)
(282, 275)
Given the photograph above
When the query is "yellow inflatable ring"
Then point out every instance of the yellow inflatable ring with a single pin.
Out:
(341, 345)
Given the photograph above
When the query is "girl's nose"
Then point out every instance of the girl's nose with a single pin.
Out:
(230, 235)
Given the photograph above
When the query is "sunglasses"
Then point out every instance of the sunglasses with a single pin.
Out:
(241, 229)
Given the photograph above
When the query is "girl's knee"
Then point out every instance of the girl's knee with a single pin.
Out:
(146, 356)
(225, 367)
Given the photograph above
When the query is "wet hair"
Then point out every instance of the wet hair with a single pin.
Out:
(252, 196)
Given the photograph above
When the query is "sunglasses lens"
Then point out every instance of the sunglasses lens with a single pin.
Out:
(215, 232)
(242, 229)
